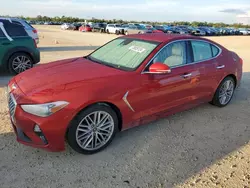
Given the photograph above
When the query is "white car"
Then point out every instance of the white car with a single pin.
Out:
(244, 31)
(67, 26)
(113, 28)
(32, 32)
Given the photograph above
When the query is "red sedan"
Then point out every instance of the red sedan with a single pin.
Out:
(129, 81)
(85, 28)
(153, 30)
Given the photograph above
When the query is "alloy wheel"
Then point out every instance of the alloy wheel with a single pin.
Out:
(94, 130)
(226, 92)
(21, 63)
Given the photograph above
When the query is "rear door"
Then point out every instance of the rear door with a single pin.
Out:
(5, 44)
(205, 58)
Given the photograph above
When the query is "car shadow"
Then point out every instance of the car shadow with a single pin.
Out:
(166, 152)
(67, 48)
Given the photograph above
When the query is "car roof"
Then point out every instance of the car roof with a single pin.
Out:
(162, 37)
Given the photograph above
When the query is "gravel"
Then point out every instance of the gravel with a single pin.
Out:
(202, 147)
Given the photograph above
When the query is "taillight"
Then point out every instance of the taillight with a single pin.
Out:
(35, 43)
(34, 31)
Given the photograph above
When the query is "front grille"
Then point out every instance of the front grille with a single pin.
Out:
(12, 104)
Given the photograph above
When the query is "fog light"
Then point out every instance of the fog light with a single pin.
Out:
(39, 133)
(37, 129)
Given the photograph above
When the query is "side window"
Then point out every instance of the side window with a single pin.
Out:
(15, 30)
(201, 50)
(1, 34)
(173, 54)
(215, 50)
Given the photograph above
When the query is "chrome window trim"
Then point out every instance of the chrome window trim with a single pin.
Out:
(183, 40)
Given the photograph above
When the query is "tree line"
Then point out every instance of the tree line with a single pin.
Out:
(66, 19)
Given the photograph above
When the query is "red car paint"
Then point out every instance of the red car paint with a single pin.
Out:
(85, 28)
(82, 83)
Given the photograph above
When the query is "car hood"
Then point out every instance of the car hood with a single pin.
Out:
(70, 72)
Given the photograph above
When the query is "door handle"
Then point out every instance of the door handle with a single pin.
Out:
(6, 43)
(187, 75)
(220, 67)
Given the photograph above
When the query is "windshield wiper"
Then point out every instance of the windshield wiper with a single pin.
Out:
(91, 59)
(103, 63)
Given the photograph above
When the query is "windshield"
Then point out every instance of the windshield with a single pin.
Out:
(123, 53)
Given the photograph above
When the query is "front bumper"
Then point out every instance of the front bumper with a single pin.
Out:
(53, 128)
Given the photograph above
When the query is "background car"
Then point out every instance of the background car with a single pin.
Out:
(85, 28)
(195, 31)
(99, 27)
(77, 26)
(114, 28)
(67, 26)
(110, 92)
(18, 51)
(244, 31)
(32, 32)
(153, 30)
(135, 29)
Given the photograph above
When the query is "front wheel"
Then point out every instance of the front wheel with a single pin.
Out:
(20, 62)
(224, 92)
(93, 129)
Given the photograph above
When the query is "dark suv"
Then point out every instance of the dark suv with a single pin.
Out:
(99, 27)
(18, 51)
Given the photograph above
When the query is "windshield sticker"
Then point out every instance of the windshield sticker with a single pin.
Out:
(137, 49)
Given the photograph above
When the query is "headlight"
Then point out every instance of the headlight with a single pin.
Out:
(44, 110)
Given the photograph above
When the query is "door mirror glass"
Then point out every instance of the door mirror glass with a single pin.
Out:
(159, 68)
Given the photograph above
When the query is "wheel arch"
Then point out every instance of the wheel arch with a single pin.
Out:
(111, 105)
(12, 51)
(234, 77)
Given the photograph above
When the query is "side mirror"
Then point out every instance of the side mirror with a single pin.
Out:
(159, 68)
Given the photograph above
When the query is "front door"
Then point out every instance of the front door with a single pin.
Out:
(172, 91)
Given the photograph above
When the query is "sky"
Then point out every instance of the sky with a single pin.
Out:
(228, 11)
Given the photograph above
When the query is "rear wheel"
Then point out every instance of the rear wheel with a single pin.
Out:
(93, 129)
(224, 92)
(20, 62)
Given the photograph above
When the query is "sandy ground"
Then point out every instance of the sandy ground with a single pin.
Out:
(202, 147)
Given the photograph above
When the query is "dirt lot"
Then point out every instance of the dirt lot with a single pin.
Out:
(203, 147)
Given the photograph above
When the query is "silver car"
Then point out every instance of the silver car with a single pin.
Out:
(32, 32)
(133, 29)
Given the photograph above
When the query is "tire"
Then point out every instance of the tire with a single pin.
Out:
(79, 135)
(108, 31)
(219, 97)
(19, 62)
